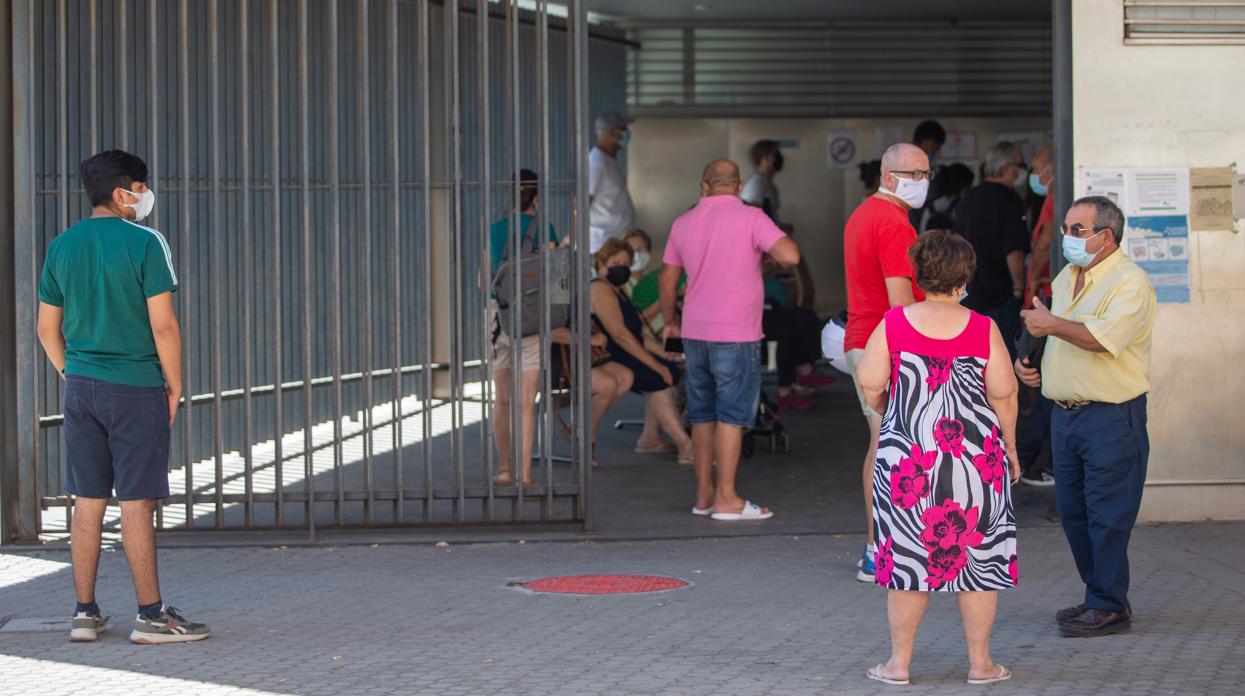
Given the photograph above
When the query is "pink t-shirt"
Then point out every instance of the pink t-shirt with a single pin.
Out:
(719, 243)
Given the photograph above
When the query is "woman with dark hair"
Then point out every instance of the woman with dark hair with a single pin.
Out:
(630, 349)
(942, 376)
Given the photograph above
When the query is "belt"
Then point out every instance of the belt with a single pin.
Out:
(1072, 405)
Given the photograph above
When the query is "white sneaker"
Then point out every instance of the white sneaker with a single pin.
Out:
(169, 627)
(87, 627)
(1044, 480)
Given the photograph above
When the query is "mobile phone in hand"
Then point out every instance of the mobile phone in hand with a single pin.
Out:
(673, 345)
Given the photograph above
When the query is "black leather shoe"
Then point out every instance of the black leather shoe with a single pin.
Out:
(1095, 622)
(1066, 615)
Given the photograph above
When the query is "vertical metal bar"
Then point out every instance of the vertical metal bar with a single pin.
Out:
(365, 133)
(153, 159)
(308, 414)
(248, 257)
(121, 73)
(336, 262)
(62, 136)
(25, 260)
(184, 252)
(425, 309)
(214, 263)
(278, 321)
(395, 260)
(1061, 67)
(583, 363)
(486, 173)
(542, 76)
(455, 258)
(93, 70)
(517, 464)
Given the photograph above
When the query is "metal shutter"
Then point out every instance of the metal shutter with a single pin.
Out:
(840, 69)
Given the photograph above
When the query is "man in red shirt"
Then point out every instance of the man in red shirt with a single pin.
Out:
(879, 276)
(1035, 424)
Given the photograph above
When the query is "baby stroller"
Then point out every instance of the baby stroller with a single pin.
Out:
(767, 425)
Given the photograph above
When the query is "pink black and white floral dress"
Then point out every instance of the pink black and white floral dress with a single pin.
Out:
(941, 493)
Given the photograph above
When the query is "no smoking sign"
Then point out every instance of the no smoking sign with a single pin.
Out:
(841, 149)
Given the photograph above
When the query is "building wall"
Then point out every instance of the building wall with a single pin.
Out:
(1177, 106)
(666, 156)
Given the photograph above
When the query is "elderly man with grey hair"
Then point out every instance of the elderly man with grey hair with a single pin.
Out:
(1096, 368)
(991, 217)
(879, 276)
(610, 212)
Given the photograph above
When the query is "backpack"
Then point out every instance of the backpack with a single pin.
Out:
(527, 265)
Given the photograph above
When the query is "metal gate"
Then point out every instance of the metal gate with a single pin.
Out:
(326, 173)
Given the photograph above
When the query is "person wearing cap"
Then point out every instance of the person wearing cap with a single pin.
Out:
(610, 213)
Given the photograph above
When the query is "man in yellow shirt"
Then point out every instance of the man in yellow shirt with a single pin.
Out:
(1096, 368)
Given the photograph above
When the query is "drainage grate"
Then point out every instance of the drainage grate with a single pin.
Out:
(603, 584)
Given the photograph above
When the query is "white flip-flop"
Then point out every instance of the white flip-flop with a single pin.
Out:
(751, 511)
(876, 675)
(702, 512)
(1003, 675)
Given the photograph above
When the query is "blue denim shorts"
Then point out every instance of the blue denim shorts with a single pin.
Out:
(723, 382)
(116, 438)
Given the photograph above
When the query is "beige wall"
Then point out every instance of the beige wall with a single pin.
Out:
(1177, 106)
(666, 156)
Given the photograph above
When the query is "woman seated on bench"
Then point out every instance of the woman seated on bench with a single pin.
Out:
(630, 349)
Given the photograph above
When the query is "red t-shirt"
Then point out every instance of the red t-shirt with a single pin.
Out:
(875, 247)
(1046, 215)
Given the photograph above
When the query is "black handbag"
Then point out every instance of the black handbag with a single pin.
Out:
(1030, 347)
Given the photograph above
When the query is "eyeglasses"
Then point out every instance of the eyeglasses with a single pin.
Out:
(916, 174)
(1081, 232)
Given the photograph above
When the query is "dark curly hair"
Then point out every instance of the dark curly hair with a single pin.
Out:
(943, 261)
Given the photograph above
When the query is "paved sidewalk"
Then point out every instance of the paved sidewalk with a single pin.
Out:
(764, 615)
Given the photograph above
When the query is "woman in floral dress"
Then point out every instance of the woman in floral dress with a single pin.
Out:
(942, 377)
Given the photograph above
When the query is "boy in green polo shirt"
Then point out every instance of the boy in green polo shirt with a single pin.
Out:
(107, 324)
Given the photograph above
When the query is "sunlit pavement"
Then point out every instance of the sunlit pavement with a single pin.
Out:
(762, 615)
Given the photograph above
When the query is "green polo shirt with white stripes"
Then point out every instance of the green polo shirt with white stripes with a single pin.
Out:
(101, 271)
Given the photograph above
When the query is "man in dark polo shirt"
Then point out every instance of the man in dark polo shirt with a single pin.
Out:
(992, 218)
(106, 322)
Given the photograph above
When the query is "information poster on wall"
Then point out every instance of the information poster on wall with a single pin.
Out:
(961, 146)
(1155, 202)
(1029, 141)
(1210, 199)
(885, 136)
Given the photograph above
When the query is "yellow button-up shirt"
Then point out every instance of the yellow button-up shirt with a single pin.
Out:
(1117, 306)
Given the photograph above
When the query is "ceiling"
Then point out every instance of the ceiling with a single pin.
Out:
(843, 10)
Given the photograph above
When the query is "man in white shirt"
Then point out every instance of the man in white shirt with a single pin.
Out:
(610, 213)
(760, 189)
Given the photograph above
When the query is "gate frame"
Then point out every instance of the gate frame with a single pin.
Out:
(21, 503)
(20, 491)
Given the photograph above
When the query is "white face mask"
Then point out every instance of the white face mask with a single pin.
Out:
(911, 192)
(146, 201)
(640, 262)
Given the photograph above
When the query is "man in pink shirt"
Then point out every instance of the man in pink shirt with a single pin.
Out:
(719, 244)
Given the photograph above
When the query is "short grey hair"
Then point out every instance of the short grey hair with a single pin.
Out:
(999, 156)
(1106, 214)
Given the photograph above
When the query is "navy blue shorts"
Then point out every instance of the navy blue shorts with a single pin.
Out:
(723, 382)
(116, 438)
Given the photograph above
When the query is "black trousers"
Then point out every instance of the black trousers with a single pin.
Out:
(797, 331)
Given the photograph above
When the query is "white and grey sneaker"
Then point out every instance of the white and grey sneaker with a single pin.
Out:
(87, 626)
(169, 627)
(1042, 480)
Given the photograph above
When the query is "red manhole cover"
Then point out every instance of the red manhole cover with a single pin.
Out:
(604, 584)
